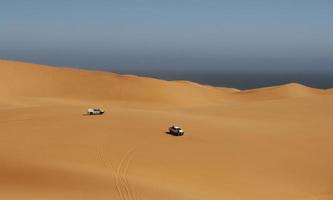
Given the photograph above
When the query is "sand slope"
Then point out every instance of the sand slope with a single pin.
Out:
(22, 79)
(292, 90)
(268, 143)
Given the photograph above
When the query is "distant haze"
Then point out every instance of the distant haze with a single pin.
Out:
(293, 35)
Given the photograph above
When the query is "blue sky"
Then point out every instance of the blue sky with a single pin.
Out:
(182, 34)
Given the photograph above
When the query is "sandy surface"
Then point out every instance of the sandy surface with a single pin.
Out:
(268, 143)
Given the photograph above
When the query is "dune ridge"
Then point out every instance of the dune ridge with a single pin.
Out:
(25, 79)
(22, 79)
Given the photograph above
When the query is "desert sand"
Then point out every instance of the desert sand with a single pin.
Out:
(263, 144)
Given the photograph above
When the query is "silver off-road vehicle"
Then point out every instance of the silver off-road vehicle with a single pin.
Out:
(176, 131)
(95, 111)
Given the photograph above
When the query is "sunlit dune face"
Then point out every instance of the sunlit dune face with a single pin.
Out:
(262, 144)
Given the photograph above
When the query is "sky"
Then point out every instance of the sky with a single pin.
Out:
(171, 34)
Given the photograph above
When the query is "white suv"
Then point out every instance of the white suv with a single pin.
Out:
(95, 111)
(175, 130)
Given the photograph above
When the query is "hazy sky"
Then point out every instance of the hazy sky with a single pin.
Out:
(170, 34)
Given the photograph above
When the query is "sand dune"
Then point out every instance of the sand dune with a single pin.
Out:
(292, 90)
(329, 91)
(268, 143)
(21, 79)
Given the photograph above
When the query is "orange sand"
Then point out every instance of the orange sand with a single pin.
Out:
(263, 144)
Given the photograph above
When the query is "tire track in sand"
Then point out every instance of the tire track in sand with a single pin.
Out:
(120, 174)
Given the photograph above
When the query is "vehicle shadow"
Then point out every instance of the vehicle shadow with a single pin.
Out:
(87, 115)
(169, 133)
(90, 115)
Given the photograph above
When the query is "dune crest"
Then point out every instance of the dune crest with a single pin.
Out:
(22, 79)
(33, 80)
(291, 90)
